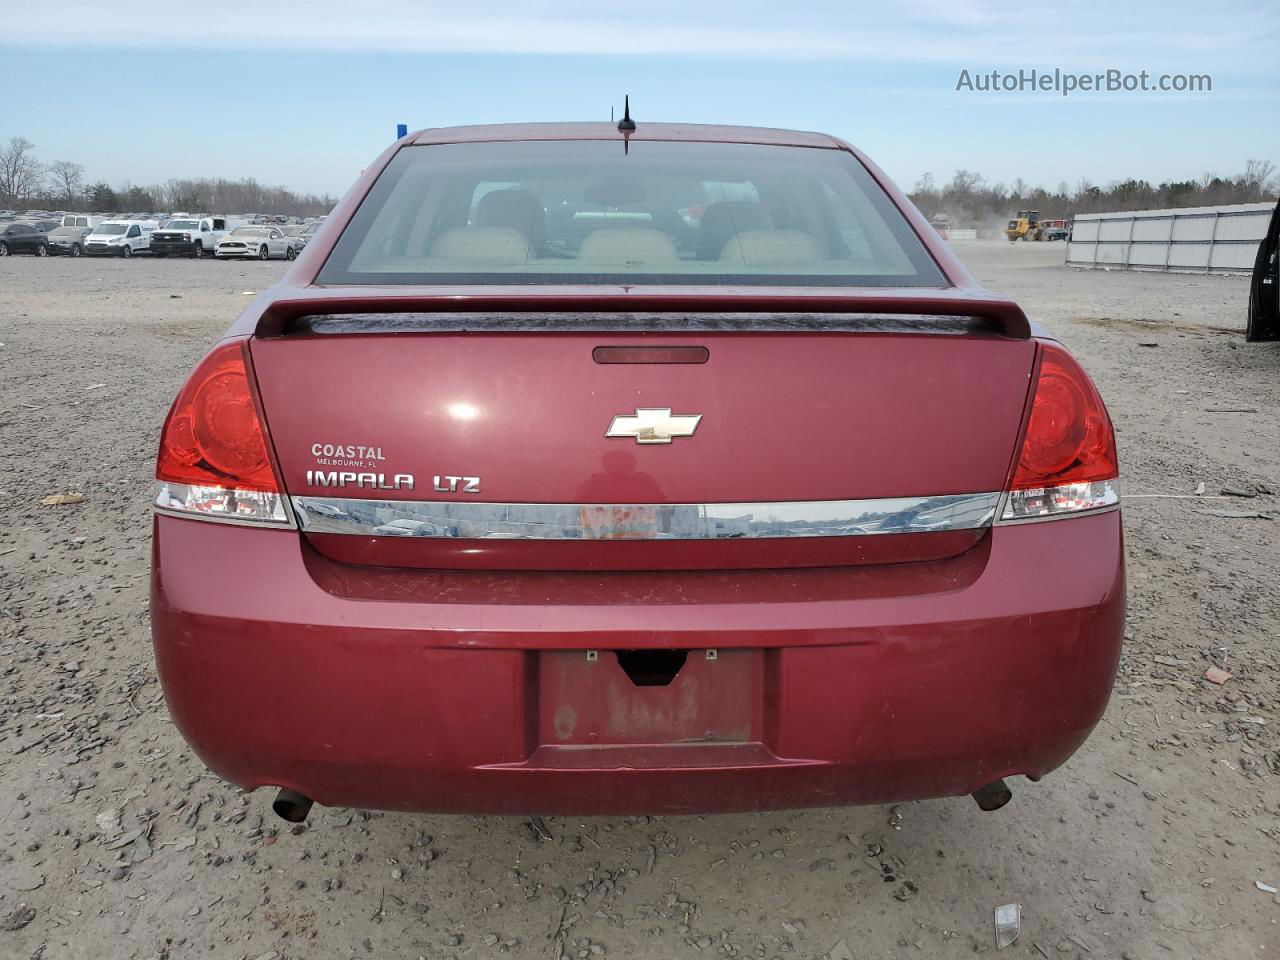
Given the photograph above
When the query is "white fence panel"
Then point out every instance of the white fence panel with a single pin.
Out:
(1193, 229)
(1085, 231)
(1147, 255)
(1189, 256)
(1155, 229)
(1115, 231)
(1195, 239)
(1234, 257)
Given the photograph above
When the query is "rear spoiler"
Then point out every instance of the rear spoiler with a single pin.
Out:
(460, 308)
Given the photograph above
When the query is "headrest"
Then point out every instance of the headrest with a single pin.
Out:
(721, 220)
(515, 208)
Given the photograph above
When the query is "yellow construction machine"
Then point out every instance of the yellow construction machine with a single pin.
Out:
(1025, 226)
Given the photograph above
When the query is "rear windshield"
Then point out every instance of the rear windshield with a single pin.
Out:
(659, 213)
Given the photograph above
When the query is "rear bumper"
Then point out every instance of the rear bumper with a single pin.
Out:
(470, 692)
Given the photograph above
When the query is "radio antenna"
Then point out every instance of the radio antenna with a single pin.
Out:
(626, 124)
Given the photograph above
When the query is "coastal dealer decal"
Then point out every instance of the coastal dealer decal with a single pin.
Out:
(362, 463)
(346, 455)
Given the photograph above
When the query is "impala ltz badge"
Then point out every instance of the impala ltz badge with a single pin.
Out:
(372, 481)
(654, 425)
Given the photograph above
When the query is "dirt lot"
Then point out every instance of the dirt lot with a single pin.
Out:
(115, 842)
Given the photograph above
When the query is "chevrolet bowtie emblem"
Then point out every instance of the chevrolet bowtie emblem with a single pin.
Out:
(654, 425)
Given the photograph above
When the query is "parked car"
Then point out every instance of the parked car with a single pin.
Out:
(23, 238)
(257, 243)
(311, 229)
(1264, 288)
(189, 236)
(1055, 229)
(69, 240)
(119, 238)
(297, 233)
(79, 220)
(475, 510)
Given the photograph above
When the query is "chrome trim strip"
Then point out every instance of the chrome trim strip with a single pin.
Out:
(612, 521)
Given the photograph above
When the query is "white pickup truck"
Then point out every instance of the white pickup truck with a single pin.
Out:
(189, 236)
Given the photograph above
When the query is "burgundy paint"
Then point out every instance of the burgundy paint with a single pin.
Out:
(784, 416)
(879, 684)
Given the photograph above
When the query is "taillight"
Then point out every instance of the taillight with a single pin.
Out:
(214, 460)
(1068, 459)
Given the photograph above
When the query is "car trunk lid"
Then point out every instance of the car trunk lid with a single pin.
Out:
(793, 441)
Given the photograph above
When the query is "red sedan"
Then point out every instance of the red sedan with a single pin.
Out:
(577, 469)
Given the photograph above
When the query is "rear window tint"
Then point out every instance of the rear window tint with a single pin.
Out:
(585, 211)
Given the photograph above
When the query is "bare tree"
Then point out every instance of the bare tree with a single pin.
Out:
(20, 173)
(965, 182)
(1258, 173)
(68, 178)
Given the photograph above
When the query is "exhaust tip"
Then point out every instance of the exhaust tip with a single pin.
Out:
(993, 796)
(292, 806)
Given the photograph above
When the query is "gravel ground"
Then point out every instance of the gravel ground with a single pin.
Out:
(114, 841)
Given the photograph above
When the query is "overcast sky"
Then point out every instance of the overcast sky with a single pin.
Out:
(305, 93)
